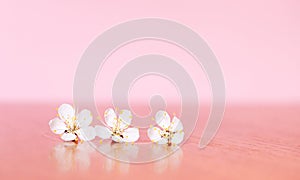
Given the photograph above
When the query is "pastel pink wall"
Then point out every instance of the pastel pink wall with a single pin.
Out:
(257, 43)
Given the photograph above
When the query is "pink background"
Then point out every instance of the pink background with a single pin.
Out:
(257, 44)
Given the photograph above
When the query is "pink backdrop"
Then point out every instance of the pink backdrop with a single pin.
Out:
(256, 42)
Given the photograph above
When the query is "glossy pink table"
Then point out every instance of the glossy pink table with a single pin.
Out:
(254, 142)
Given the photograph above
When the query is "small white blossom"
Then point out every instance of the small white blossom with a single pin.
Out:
(117, 127)
(72, 126)
(170, 133)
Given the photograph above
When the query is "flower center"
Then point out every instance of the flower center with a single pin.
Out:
(117, 131)
(167, 134)
(71, 125)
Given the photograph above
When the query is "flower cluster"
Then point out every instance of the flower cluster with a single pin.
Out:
(74, 126)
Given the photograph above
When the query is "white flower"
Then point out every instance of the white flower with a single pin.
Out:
(171, 132)
(117, 127)
(72, 126)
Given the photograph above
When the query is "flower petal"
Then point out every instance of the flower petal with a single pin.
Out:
(125, 118)
(162, 141)
(102, 132)
(66, 112)
(57, 126)
(117, 138)
(176, 125)
(154, 134)
(68, 136)
(162, 118)
(84, 118)
(131, 135)
(177, 137)
(110, 117)
(86, 133)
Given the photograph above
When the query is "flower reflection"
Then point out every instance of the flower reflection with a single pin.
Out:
(120, 151)
(70, 156)
(171, 162)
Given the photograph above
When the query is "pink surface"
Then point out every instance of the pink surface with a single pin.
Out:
(255, 41)
(254, 142)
